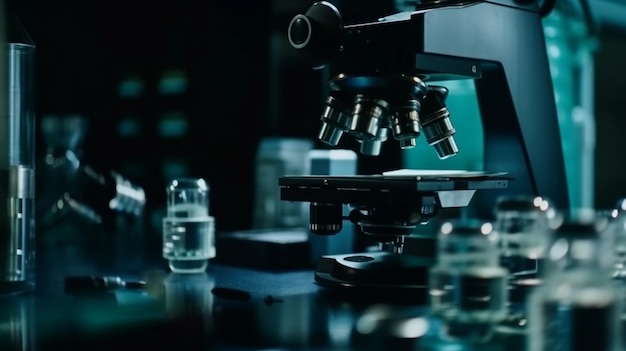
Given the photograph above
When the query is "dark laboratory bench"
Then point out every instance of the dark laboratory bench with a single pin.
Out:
(226, 308)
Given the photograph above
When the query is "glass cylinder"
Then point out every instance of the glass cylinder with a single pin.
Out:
(188, 229)
(17, 161)
(577, 306)
(467, 286)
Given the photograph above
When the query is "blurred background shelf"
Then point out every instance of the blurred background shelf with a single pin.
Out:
(191, 87)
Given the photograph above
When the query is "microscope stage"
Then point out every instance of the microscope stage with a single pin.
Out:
(364, 189)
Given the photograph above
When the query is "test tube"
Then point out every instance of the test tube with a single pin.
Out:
(188, 229)
(467, 285)
(577, 306)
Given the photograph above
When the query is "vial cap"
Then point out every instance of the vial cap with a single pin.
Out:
(467, 228)
(581, 223)
(522, 203)
(189, 183)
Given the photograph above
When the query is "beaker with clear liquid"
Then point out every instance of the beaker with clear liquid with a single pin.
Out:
(188, 229)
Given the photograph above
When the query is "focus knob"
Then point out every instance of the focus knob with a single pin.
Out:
(316, 33)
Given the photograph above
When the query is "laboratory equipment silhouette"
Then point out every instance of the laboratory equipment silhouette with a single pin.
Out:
(387, 83)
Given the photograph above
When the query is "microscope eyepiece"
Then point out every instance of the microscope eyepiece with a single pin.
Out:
(315, 33)
(299, 33)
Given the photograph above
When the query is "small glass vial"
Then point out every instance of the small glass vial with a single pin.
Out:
(523, 224)
(188, 230)
(577, 306)
(468, 286)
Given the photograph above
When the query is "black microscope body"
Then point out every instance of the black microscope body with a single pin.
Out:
(387, 81)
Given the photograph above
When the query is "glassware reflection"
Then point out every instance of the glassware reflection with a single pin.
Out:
(392, 327)
(292, 322)
(17, 324)
(188, 296)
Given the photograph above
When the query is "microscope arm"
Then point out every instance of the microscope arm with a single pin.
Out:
(515, 91)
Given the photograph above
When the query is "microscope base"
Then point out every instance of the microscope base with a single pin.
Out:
(374, 274)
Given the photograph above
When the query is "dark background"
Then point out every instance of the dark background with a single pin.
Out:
(243, 82)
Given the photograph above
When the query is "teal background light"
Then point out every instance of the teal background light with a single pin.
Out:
(465, 116)
(571, 46)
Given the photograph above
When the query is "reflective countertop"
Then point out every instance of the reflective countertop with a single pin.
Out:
(226, 308)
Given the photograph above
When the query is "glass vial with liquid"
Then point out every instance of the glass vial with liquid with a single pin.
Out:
(577, 306)
(468, 286)
(188, 229)
(523, 223)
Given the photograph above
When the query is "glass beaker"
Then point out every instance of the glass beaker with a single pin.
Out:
(188, 230)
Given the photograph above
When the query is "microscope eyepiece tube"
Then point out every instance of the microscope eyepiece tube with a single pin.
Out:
(315, 33)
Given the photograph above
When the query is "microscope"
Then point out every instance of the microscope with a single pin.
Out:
(387, 83)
